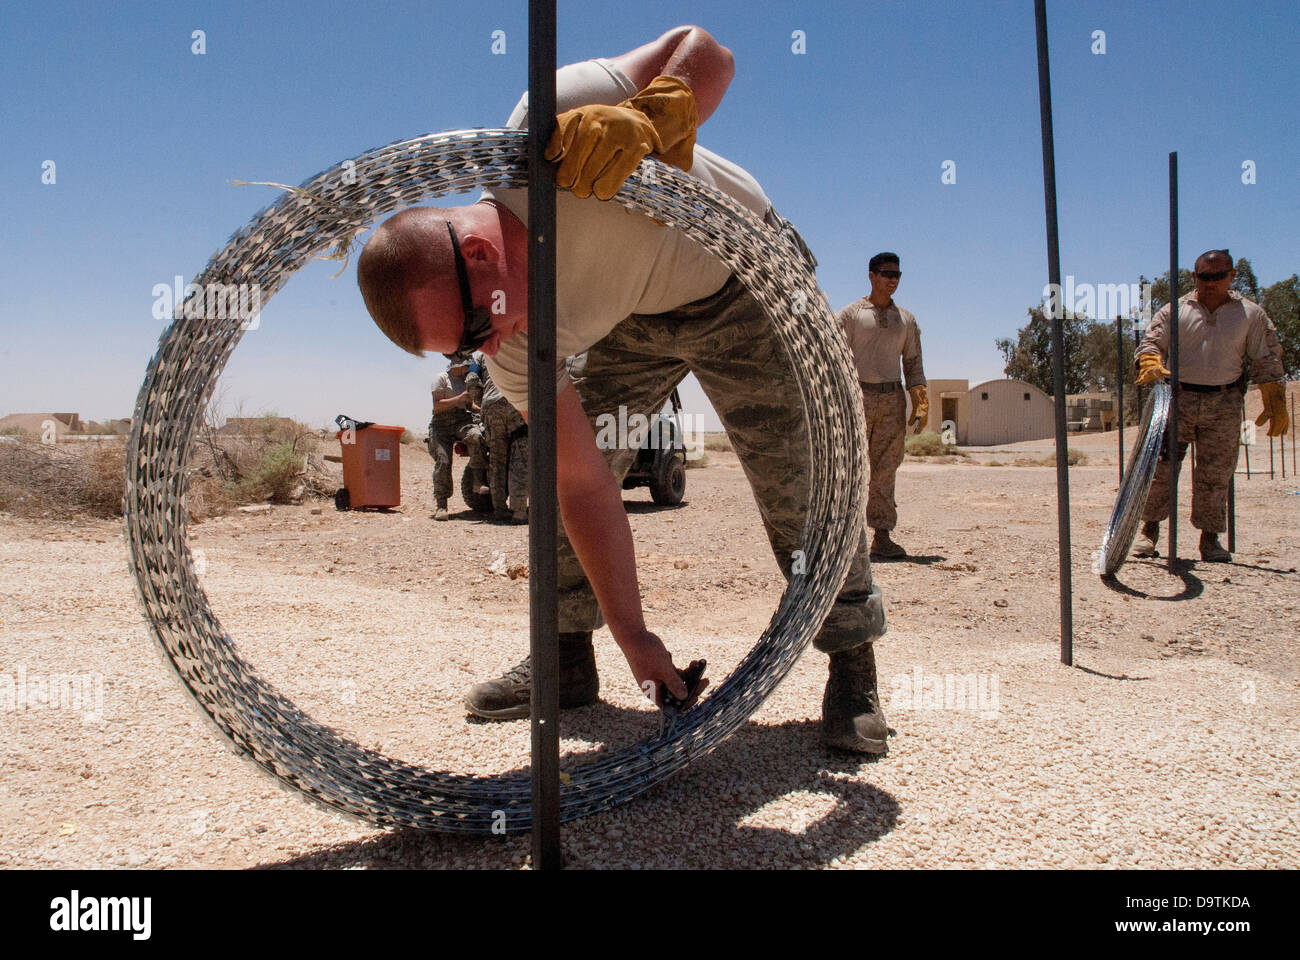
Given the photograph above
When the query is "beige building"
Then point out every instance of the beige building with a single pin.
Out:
(1008, 411)
(38, 424)
(1090, 412)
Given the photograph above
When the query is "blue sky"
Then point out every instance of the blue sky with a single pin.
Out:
(849, 140)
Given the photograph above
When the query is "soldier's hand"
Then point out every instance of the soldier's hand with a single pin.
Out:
(1274, 397)
(920, 407)
(599, 147)
(1150, 369)
(652, 665)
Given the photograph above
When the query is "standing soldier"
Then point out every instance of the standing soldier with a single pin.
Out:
(507, 439)
(1217, 330)
(879, 332)
(452, 421)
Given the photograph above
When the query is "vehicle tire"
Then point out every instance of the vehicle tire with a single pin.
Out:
(669, 483)
(478, 502)
(342, 500)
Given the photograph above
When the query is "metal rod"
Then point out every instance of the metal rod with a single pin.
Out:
(1244, 435)
(1172, 435)
(1137, 391)
(543, 503)
(1270, 458)
(1058, 350)
(1232, 514)
(1119, 384)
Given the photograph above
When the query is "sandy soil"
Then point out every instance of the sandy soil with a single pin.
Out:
(1172, 742)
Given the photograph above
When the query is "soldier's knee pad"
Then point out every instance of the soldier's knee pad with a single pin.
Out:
(870, 627)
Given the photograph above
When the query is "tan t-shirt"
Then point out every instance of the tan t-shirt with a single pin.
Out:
(1211, 345)
(610, 261)
(879, 337)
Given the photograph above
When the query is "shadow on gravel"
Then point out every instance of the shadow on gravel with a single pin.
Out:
(1107, 676)
(923, 560)
(758, 765)
(649, 506)
(1192, 586)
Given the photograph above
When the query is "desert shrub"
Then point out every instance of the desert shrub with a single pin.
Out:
(407, 437)
(62, 480)
(927, 444)
(1073, 458)
(277, 476)
(718, 442)
(994, 463)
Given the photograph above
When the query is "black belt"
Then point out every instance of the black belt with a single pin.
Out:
(888, 386)
(1205, 388)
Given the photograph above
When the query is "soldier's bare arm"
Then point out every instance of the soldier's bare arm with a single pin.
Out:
(689, 53)
(591, 503)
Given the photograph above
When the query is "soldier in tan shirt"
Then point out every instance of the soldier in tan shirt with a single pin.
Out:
(879, 332)
(1217, 330)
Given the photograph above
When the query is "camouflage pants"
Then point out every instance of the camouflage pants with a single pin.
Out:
(444, 432)
(886, 424)
(507, 440)
(1213, 420)
(726, 341)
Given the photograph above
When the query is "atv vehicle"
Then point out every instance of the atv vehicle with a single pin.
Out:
(661, 462)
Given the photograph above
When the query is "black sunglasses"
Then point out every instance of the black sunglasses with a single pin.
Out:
(478, 320)
(1212, 277)
(889, 274)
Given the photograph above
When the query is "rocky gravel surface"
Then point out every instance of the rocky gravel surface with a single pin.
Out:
(1173, 741)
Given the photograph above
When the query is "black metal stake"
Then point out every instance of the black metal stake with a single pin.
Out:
(1137, 391)
(543, 503)
(1232, 514)
(1119, 385)
(1270, 458)
(1172, 435)
(1058, 350)
(1244, 435)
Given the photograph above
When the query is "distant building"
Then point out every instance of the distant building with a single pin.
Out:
(1009, 411)
(994, 412)
(1090, 412)
(38, 424)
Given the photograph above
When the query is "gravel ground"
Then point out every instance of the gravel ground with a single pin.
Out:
(1172, 743)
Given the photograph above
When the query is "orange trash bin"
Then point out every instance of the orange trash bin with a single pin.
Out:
(372, 467)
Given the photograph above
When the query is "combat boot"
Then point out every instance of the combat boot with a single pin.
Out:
(480, 481)
(851, 714)
(1211, 550)
(440, 509)
(1146, 542)
(509, 697)
(883, 548)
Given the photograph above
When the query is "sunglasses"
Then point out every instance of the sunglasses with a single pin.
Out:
(889, 274)
(478, 320)
(1212, 277)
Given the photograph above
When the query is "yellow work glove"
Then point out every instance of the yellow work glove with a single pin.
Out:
(600, 146)
(1150, 369)
(670, 105)
(920, 407)
(1274, 397)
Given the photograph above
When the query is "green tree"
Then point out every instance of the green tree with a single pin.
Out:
(1160, 288)
(1281, 302)
(1245, 283)
(1029, 356)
